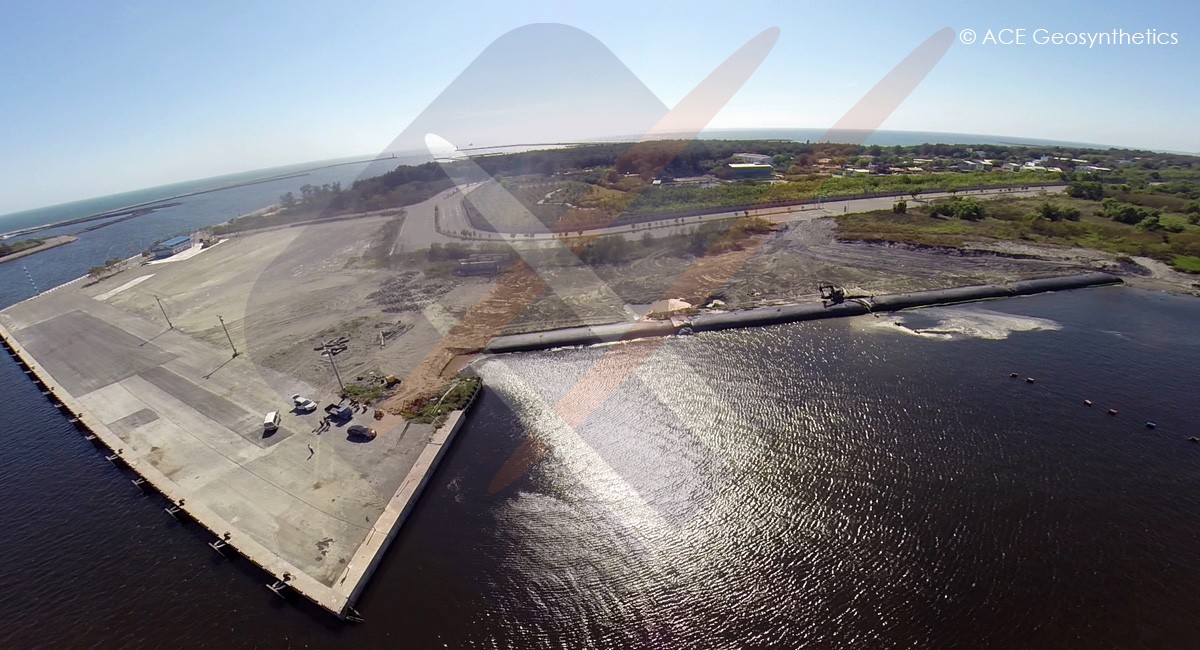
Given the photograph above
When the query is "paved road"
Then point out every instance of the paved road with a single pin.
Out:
(453, 221)
(419, 229)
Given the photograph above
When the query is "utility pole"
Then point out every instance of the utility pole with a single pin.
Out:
(164, 311)
(231, 345)
(332, 363)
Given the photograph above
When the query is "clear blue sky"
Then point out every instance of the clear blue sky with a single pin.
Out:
(97, 98)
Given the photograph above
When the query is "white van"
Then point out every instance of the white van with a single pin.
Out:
(271, 422)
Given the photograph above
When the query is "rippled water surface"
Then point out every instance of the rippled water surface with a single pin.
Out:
(868, 482)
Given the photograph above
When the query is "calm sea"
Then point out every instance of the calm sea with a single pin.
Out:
(867, 482)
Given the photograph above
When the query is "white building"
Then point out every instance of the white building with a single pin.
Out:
(754, 158)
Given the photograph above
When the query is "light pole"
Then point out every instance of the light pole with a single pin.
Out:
(231, 345)
(164, 311)
(332, 363)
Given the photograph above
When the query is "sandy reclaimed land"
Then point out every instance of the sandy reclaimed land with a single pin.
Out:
(283, 292)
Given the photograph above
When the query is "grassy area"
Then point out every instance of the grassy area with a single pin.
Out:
(365, 394)
(1186, 263)
(632, 200)
(1013, 219)
(18, 246)
(453, 396)
(678, 198)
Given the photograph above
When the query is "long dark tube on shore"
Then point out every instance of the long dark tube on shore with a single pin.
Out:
(574, 336)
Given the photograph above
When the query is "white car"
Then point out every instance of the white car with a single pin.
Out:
(303, 404)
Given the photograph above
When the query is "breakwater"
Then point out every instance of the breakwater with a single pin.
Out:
(708, 322)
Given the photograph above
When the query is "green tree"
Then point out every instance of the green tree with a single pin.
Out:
(1090, 190)
(1150, 223)
(1051, 212)
(960, 208)
(900, 207)
(1125, 212)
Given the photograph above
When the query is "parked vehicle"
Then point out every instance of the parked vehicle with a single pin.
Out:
(271, 422)
(303, 404)
(338, 412)
(359, 432)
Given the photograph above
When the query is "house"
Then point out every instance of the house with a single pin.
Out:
(753, 158)
(702, 181)
(172, 246)
(751, 170)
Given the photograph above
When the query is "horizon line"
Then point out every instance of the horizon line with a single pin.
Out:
(997, 140)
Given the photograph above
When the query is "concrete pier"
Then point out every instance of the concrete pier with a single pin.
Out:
(789, 313)
(314, 511)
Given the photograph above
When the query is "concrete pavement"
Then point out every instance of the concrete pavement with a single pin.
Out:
(315, 510)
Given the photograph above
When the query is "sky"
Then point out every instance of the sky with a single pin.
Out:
(99, 98)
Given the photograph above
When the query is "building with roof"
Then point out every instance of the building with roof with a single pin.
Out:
(754, 158)
(751, 170)
(172, 246)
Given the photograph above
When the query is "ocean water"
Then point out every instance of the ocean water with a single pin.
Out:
(889, 138)
(865, 482)
(27, 276)
(323, 171)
